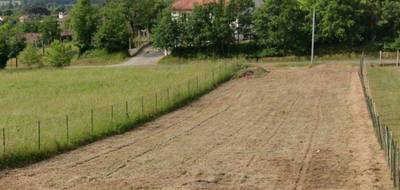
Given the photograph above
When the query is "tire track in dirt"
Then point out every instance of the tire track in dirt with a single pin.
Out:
(164, 129)
(253, 121)
(247, 134)
(159, 146)
(301, 174)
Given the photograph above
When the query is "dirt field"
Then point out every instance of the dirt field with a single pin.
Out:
(295, 128)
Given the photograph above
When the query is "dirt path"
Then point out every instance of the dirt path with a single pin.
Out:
(296, 128)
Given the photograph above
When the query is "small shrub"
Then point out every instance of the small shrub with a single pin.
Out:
(59, 54)
(30, 56)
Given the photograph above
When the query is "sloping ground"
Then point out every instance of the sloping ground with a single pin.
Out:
(299, 128)
(148, 56)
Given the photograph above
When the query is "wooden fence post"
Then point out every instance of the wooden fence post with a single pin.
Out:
(67, 127)
(38, 130)
(127, 109)
(156, 103)
(112, 114)
(4, 141)
(197, 83)
(168, 98)
(397, 58)
(188, 87)
(91, 120)
(142, 102)
(380, 57)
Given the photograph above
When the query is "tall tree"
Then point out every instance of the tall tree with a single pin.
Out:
(142, 14)
(166, 33)
(83, 24)
(11, 43)
(50, 29)
(113, 33)
(240, 12)
(208, 25)
(340, 21)
(280, 25)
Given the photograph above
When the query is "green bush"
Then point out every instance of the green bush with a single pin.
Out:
(59, 54)
(30, 56)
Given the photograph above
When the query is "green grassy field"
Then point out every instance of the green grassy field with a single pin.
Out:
(385, 89)
(45, 111)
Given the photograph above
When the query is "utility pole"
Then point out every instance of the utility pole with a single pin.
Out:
(313, 37)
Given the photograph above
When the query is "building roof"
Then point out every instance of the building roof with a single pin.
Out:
(188, 5)
(31, 37)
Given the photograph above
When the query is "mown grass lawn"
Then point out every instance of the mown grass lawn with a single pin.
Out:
(385, 89)
(44, 111)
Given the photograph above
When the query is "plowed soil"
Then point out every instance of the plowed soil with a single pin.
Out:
(294, 128)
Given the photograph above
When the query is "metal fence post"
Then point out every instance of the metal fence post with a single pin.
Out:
(38, 130)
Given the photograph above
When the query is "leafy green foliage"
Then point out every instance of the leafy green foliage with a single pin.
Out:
(11, 43)
(142, 14)
(50, 29)
(59, 54)
(113, 34)
(207, 26)
(280, 26)
(240, 12)
(83, 23)
(166, 33)
(30, 56)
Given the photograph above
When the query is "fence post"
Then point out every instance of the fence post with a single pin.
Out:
(213, 79)
(112, 114)
(188, 87)
(91, 120)
(67, 127)
(380, 57)
(156, 104)
(168, 100)
(397, 58)
(142, 101)
(197, 83)
(127, 109)
(38, 130)
(4, 141)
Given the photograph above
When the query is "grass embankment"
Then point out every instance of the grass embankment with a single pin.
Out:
(47, 111)
(92, 57)
(100, 57)
(385, 89)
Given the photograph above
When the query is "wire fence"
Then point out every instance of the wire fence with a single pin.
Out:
(46, 137)
(383, 133)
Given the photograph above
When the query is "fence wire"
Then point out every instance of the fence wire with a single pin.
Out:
(384, 135)
(61, 133)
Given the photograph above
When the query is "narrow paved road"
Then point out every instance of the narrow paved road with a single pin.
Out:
(149, 56)
(295, 128)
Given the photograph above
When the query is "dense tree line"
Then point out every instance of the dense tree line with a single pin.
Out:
(283, 27)
(277, 27)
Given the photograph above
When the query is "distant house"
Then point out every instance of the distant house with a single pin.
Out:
(33, 37)
(181, 7)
